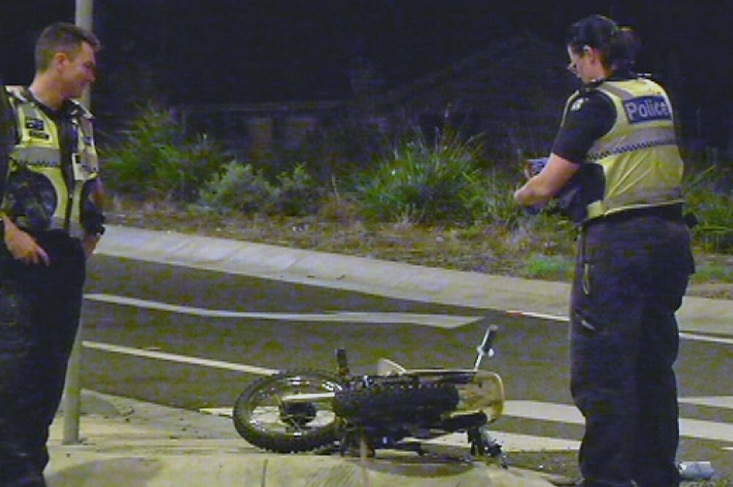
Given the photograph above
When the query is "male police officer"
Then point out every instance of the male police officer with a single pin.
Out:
(51, 222)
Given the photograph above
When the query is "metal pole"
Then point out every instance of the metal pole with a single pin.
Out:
(85, 19)
(72, 387)
(72, 394)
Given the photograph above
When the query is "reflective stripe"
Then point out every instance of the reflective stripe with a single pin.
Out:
(644, 138)
(37, 156)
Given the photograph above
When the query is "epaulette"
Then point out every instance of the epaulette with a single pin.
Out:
(79, 110)
(18, 92)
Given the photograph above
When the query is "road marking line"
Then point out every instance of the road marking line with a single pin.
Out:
(545, 411)
(691, 428)
(171, 357)
(436, 321)
(725, 402)
(531, 314)
(703, 338)
(565, 319)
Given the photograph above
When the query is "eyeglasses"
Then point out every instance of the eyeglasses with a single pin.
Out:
(573, 64)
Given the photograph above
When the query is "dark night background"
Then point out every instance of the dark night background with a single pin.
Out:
(241, 51)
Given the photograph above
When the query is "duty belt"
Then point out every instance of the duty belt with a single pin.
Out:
(671, 212)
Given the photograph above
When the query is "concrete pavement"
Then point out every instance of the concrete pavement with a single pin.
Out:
(128, 443)
(132, 443)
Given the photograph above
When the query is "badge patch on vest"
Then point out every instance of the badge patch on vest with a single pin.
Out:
(34, 124)
(647, 109)
(36, 128)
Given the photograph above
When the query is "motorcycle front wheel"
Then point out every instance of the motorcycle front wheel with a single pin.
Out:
(269, 414)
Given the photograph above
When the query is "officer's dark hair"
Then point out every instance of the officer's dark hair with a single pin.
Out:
(62, 37)
(618, 45)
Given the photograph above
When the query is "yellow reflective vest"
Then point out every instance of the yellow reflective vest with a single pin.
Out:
(639, 156)
(42, 190)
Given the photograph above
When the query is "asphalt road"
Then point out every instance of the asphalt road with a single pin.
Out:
(193, 338)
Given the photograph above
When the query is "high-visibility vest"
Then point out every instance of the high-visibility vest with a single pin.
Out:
(42, 191)
(640, 160)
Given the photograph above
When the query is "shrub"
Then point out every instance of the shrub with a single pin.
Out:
(296, 194)
(240, 187)
(155, 160)
(423, 183)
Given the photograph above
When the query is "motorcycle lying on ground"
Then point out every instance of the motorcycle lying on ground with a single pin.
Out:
(306, 410)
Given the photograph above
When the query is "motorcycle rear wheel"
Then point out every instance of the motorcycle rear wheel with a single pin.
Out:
(263, 419)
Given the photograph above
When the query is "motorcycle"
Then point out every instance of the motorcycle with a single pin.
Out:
(306, 410)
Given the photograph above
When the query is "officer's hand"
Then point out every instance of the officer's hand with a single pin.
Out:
(89, 243)
(22, 246)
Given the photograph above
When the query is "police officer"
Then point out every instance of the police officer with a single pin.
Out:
(51, 222)
(617, 145)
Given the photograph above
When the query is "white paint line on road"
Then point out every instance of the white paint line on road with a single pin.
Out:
(706, 430)
(516, 442)
(183, 359)
(709, 339)
(545, 411)
(691, 428)
(436, 321)
(712, 401)
(565, 319)
(542, 316)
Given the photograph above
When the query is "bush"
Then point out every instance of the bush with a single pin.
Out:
(244, 189)
(239, 188)
(296, 194)
(423, 183)
(154, 159)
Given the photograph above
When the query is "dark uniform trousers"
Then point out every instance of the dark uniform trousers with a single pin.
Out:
(39, 314)
(630, 277)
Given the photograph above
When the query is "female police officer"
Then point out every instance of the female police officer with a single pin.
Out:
(617, 144)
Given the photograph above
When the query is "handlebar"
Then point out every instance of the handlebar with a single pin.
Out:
(486, 346)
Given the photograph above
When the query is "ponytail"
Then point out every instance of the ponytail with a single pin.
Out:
(624, 47)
